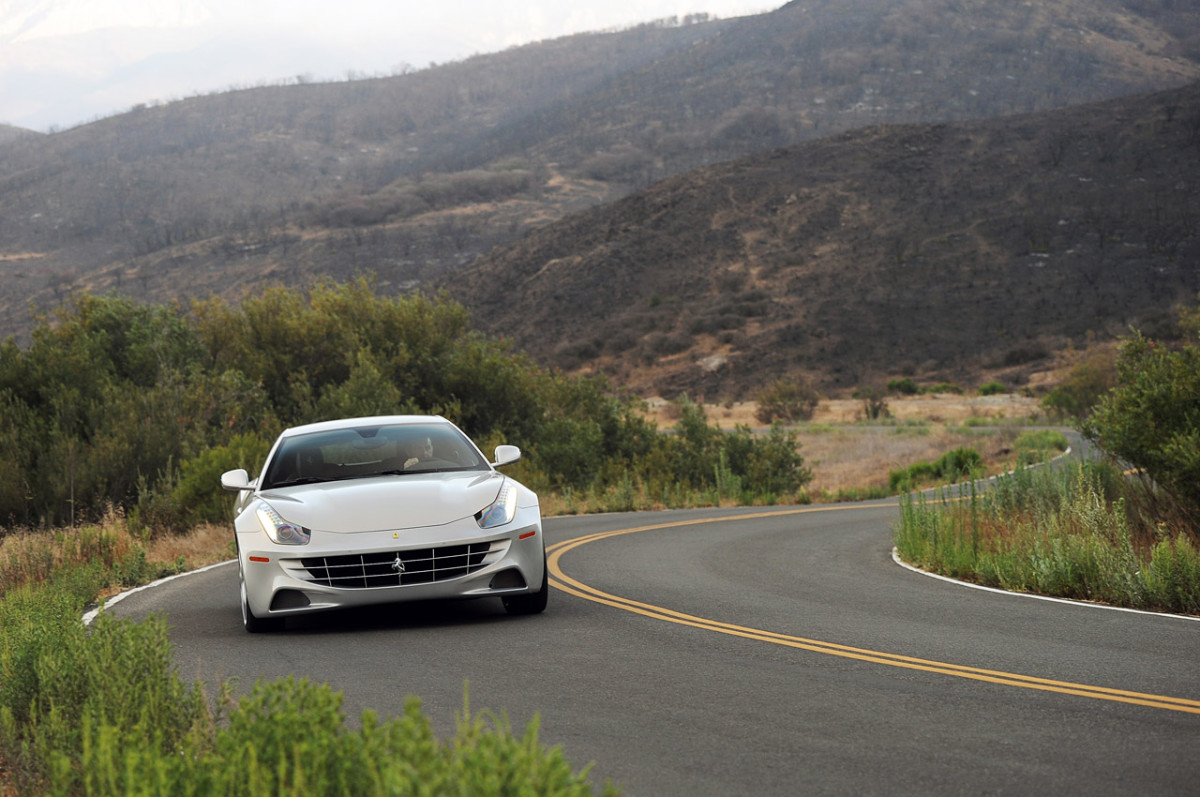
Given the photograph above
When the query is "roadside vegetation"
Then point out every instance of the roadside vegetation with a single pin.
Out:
(101, 710)
(1124, 531)
(1083, 531)
(120, 407)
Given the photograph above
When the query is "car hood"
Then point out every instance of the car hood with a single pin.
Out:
(382, 503)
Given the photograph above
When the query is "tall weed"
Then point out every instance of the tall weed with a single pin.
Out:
(1063, 532)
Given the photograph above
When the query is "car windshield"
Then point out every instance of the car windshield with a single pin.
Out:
(371, 451)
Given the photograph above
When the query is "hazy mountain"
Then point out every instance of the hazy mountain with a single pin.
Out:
(9, 132)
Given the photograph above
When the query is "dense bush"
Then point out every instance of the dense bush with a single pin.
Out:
(786, 400)
(1151, 419)
(1091, 531)
(141, 408)
(738, 464)
(904, 387)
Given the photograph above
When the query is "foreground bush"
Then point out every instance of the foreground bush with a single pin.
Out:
(289, 737)
(101, 711)
(1069, 534)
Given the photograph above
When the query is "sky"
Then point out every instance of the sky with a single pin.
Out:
(67, 62)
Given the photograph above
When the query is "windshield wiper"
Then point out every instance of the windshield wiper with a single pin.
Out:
(300, 480)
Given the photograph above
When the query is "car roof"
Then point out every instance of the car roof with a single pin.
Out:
(354, 423)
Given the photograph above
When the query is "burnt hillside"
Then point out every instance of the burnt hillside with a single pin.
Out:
(412, 176)
(948, 251)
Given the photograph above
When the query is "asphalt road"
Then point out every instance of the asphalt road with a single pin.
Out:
(756, 652)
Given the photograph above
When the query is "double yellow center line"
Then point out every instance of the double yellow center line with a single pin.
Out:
(562, 581)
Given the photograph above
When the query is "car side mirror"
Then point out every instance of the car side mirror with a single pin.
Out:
(506, 455)
(236, 480)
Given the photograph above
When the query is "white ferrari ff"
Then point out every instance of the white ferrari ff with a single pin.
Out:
(378, 510)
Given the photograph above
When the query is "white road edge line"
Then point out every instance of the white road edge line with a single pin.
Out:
(1082, 604)
(90, 616)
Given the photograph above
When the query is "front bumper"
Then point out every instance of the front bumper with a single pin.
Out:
(455, 561)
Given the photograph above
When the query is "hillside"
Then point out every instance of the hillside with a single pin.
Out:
(411, 176)
(10, 133)
(946, 251)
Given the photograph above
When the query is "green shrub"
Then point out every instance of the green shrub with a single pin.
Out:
(1173, 576)
(192, 493)
(911, 477)
(903, 387)
(289, 737)
(992, 389)
(953, 466)
(1151, 419)
(702, 457)
(56, 677)
(1039, 445)
(958, 464)
(786, 400)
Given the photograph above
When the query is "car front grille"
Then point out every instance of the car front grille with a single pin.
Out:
(397, 568)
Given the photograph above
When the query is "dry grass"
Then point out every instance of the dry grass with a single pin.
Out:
(850, 458)
(936, 408)
(28, 556)
(203, 545)
(847, 454)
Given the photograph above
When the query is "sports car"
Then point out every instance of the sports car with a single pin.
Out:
(380, 510)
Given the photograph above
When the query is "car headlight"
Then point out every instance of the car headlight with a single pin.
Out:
(502, 510)
(279, 530)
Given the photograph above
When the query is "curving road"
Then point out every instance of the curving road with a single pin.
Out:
(772, 651)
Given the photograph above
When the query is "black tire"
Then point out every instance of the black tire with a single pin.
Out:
(254, 625)
(533, 602)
